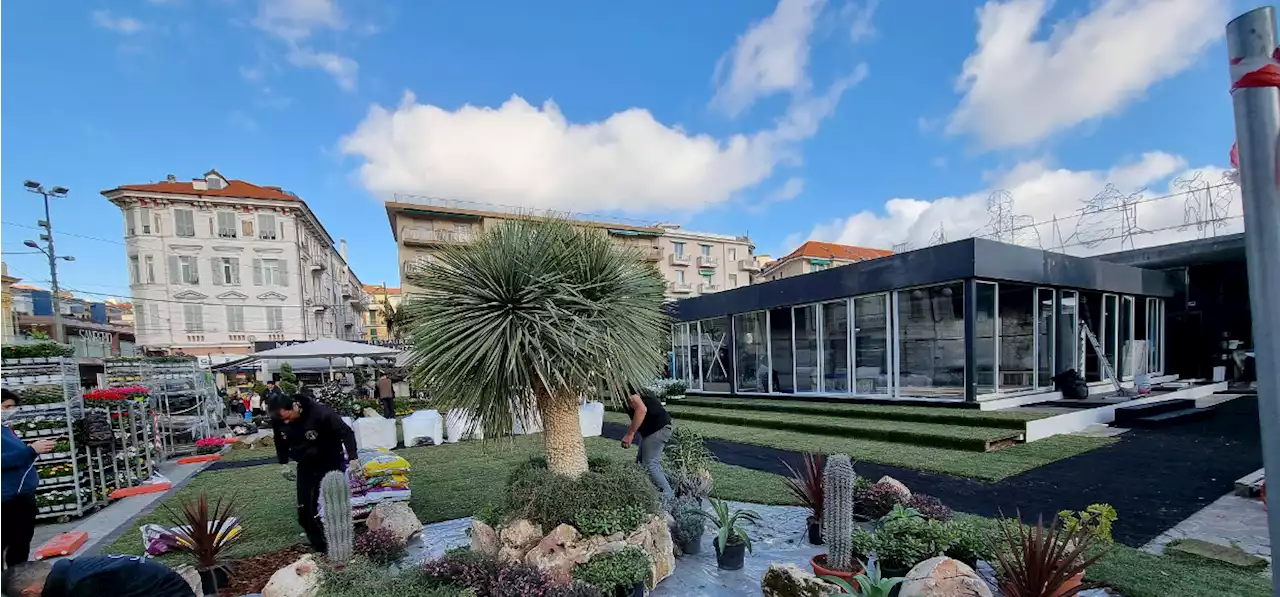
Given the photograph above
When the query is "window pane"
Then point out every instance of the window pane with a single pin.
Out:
(1068, 333)
(715, 354)
(931, 341)
(1126, 337)
(984, 338)
(835, 346)
(806, 334)
(780, 347)
(1045, 334)
(679, 371)
(1017, 364)
(752, 365)
(1109, 337)
(695, 363)
(871, 342)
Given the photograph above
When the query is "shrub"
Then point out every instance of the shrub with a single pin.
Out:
(864, 543)
(929, 507)
(288, 381)
(519, 581)
(618, 570)
(967, 540)
(484, 577)
(488, 515)
(576, 588)
(381, 546)
(607, 521)
(690, 525)
(550, 500)
(905, 542)
(878, 499)
(1095, 520)
(363, 579)
(687, 461)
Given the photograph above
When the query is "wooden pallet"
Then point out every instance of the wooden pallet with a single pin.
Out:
(1250, 485)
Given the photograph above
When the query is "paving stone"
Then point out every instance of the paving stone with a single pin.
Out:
(1229, 520)
(1227, 554)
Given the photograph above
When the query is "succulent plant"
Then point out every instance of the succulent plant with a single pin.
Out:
(339, 528)
(837, 513)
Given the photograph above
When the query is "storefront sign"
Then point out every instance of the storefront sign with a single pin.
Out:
(95, 335)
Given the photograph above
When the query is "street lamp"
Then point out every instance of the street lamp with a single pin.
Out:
(47, 224)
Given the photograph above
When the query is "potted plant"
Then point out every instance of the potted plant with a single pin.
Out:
(806, 486)
(902, 542)
(731, 541)
(620, 574)
(687, 461)
(867, 584)
(204, 529)
(689, 527)
(837, 521)
(1042, 562)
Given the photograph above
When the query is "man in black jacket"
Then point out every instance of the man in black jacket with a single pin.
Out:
(319, 441)
(95, 576)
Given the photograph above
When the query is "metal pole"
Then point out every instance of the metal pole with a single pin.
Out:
(1251, 39)
(53, 273)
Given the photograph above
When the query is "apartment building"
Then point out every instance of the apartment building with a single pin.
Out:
(693, 263)
(375, 325)
(219, 266)
(815, 256)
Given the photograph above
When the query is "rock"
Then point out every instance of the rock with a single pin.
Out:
(655, 539)
(558, 553)
(483, 538)
(943, 577)
(1227, 554)
(395, 517)
(299, 579)
(369, 412)
(896, 484)
(266, 441)
(241, 445)
(516, 539)
(192, 576)
(788, 580)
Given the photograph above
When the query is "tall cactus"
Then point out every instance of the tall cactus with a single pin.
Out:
(339, 529)
(837, 511)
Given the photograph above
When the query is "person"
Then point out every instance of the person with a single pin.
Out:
(273, 390)
(651, 422)
(387, 395)
(18, 486)
(93, 576)
(255, 404)
(318, 441)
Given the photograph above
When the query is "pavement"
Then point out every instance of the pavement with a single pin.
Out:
(1230, 520)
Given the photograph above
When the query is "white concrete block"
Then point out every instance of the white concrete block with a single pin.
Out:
(461, 424)
(530, 424)
(591, 419)
(423, 423)
(375, 432)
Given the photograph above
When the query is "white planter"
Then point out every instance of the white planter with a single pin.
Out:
(591, 419)
(375, 432)
(45, 509)
(423, 423)
(530, 424)
(461, 424)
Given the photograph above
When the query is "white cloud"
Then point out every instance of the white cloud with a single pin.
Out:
(771, 56)
(294, 22)
(1034, 193)
(860, 26)
(342, 69)
(119, 24)
(790, 189)
(1019, 89)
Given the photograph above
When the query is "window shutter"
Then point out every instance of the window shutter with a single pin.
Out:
(174, 273)
(235, 271)
(195, 270)
(284, 272)
(215, 266)
(257, 272)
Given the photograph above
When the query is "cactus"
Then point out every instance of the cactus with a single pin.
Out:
(837, 513)
(339, 529)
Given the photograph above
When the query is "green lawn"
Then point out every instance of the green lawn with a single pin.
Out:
(986, 466)
(1136, 573)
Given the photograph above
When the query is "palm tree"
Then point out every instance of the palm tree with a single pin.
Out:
(393, 318)
(528, 319)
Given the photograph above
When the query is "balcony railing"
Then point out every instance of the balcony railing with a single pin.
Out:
(347, 290)
(680, 259)
(707, 288)
(704, 261)
(680, 288)
(749, 265)
(427, 237)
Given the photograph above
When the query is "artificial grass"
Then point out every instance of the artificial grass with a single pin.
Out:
(986, 466)
(891, 412)
(1136, 573)
(961, 437)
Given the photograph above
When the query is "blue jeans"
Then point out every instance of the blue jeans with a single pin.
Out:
(649, 455)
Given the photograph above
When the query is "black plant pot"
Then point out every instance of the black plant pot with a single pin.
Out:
(636, 591)
(732, 556)
(692, 547)
(815, 532)
(213, 579)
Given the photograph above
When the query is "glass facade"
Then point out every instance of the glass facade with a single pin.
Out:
(911, 343)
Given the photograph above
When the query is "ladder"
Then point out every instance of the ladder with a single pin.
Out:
(1107, 369)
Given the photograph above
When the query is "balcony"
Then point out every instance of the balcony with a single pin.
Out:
(708, 288)
(652, 253)
(704, 261)
(679, 288)
(425, 237)
(748, 265)
(347, 291)
(680, 259)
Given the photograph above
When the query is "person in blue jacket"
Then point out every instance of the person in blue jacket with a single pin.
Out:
(95, 576)
(18, 482)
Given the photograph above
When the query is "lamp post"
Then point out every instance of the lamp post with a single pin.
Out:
(57, 192)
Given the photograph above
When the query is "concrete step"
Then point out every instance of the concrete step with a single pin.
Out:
(1172, 417)
(1127, 414)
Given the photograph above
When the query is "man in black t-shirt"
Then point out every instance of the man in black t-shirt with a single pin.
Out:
(653, 425)
(95, 576)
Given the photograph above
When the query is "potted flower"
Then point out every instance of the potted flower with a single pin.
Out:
(731, 541)
(209, 445)
(203, 529)
(806, 486)
(689, 527)
(867, 584)
(1042, 562)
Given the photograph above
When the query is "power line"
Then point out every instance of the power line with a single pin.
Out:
(61, 233)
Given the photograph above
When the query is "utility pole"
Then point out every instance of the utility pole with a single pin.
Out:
(1255, 96)
(47, 224)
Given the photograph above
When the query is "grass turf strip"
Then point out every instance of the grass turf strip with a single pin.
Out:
(890, 412)
(986, 466)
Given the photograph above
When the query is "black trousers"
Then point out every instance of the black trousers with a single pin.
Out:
(388, 407)
(19, 514)
(309, 507)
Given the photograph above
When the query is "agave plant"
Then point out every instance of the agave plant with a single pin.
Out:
(1042, 562)
(806, 485)
(867, 584)
(533, 315)
(203, 528)
(730, 523)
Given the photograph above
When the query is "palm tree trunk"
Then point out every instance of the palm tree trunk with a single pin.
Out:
(565, 450)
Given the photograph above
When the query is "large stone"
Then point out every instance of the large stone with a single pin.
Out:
(484, 539)
(557, 554)
(788, 580)
(943, 577)
(192, 576)
(395, 517)
(299, 579)
(266, 441)
(897, 485)
(516, 539)
(655, 539)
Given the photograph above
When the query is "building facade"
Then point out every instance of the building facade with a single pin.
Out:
(375, 325)
(216, 265)
(815, 256)
(693, 263)
(10, 322)
(90, 327)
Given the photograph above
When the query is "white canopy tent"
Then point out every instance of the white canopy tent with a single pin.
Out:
(300, 356)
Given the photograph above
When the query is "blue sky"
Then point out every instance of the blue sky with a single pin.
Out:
(864, 122)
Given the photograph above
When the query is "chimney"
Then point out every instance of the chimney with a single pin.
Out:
(342, 248)
(171, 178)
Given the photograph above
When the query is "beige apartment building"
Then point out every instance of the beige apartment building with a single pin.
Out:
(693, 263)
(814, 256)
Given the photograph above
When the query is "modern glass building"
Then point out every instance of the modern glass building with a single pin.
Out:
(971, 320)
